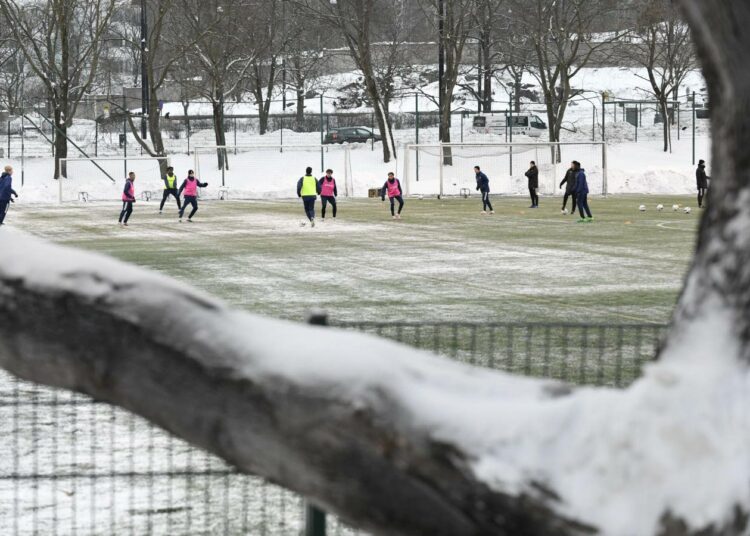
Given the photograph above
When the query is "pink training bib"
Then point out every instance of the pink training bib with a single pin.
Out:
(327, 188)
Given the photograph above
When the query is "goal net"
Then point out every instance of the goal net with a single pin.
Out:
(103, 179)
(448, 169)
(267, 171)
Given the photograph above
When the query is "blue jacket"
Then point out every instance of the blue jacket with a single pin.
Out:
(483, 182)
(581, 187)
(6, 187)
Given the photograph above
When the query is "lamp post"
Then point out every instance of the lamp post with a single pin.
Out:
(144, 72)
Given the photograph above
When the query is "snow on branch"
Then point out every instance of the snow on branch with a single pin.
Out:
(393, 439)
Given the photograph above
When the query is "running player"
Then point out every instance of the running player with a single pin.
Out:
(328, 193)
(483, 186)
(190, 187)
(308, 190)
(6, 192)
(170, 188)
(128, 199)
(392, 187)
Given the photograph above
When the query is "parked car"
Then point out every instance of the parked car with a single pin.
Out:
(350, 135)
(523, 123)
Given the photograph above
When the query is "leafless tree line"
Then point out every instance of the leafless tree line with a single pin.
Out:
(58, 52)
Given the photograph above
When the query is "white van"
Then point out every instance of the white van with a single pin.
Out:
(523, 123)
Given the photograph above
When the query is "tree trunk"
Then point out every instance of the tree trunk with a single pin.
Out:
(381, 117)
(300, 115)
(665, 122)
(61, 143)
(720, 274)
(217, 108)
(487, 72)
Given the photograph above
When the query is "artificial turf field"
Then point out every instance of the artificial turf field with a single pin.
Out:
(442, 261)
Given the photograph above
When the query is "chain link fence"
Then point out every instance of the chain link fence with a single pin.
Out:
(73, 465)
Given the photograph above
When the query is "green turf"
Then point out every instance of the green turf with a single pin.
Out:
(443, 261)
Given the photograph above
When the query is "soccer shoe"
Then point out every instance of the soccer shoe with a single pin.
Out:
(492, 211)
(589, 220)
(125, 224)
(483, 213)
(312, 223)
(160, 212)
(394, 217)
(398, 216)
(180, 220)
(582, 220)
(190, 220)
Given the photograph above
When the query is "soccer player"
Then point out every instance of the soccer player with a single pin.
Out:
(570, 182)
(581, 191)
(308, 190)
(128, 198)
(328, 193)
(392, 187)
(483, 186)
(6, 191)
(533, 175)
(170, 188)
(702, 181)
(190, 187)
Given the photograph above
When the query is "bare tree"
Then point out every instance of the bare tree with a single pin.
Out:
(356, 21)
(452, 25)
(665, 49)
(166, 48)
(562, 36)
(221, 56)
(62, 41)
(269, 43)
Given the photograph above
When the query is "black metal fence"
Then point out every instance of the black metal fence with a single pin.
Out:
(72, 465)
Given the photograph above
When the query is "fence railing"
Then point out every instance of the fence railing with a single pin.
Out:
(72, 465)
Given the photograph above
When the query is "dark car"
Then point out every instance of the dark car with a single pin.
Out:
(351, 135)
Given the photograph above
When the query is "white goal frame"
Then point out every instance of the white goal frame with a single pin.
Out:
(323, 148)
(92, 160)
(415, 147)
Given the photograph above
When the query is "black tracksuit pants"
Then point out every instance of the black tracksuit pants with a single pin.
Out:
(486, 205)
(4, 206)
(127, 210)
(309, 202)
(701, 196)
(534, 196)
(565, 201)
(325, 200)
(165, 196)
(583, 205)
(193, 201)
(393, 204)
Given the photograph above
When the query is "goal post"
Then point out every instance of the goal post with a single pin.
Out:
(447, 169)
(261, 171)
(89, 179)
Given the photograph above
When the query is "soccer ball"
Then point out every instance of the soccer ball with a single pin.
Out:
(675, 207)
(659, 207)
(642, 208)
(688, 210)
(565, 211)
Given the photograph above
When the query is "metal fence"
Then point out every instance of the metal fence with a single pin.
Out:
(72, 465)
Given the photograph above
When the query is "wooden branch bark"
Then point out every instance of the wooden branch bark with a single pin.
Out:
(265, 394)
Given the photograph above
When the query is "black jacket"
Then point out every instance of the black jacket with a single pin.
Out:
(569, 181)
(533, 176)
(483, 182)
(701, 178)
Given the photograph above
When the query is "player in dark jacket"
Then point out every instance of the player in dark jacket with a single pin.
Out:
(701, 180)
(6, 192)
(483, 186)
(570, 183)
(533, 175)
(581, 191)
(190, 187)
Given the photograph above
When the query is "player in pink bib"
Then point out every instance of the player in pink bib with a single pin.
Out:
(128, 198)
(328, 192)
(190, 189)
(392, 187)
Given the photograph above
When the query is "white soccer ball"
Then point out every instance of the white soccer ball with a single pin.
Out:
(659, 207)
(565, 211)
(675, 207)
(688, 210)
(642, 208)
